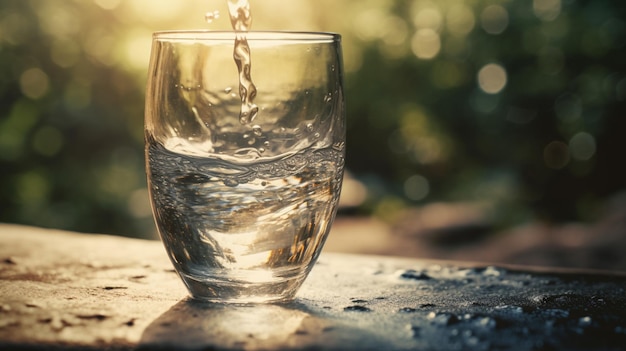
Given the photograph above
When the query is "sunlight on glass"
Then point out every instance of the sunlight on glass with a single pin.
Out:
(547, 10)
(460, 20)
(556, 155)
(34, 83)
(582, 146)
(416, 187)
(426, 43)
(494, 19)
(492, 78)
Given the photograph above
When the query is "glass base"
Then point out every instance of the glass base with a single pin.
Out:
(222, 290)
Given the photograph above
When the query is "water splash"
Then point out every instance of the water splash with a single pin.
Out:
(241, 21)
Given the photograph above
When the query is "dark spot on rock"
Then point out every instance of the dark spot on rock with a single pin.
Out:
(114, 287)
(301, 332)
(327, 329)
(357, 308)
(130, 322)
(9, 260)
(96, 316)
(358, 301)
(415, 275)
(426, 305)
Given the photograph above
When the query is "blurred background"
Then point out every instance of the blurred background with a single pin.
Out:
(484, 130)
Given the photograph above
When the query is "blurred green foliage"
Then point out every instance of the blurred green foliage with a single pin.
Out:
(516, 104)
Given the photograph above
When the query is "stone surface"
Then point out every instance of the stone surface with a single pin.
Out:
(61, 290)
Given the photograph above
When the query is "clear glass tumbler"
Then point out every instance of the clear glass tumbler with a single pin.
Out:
(243, 202)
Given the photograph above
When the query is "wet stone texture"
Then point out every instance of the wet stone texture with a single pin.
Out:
(62, 290)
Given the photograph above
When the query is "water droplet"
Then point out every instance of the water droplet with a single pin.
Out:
(245, 136)
(585, 321)
(414, 330)
(316, 135)
(256, 129)
(357, 308)
(261, 150)
(228, 90)
(266, 143)
(309, 127)
(328, 97)
(332, 68)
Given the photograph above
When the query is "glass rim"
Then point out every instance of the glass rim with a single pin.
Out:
(212, 35)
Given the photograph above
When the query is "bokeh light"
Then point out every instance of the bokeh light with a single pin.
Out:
(447, 101)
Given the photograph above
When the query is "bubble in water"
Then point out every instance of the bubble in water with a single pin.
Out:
(256, 129)
(407, 310)
(309, 127)
(266, 143)
(228, 90)
(231, 182)
(328, 97)
(211, 16)
(261, 150)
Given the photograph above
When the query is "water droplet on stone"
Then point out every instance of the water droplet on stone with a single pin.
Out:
(585, 321)
(442, 318)
(510, 309)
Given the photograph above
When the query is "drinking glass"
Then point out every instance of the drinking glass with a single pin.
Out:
(243, 202)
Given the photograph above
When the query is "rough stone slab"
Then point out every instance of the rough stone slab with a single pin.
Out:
(61, 290)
